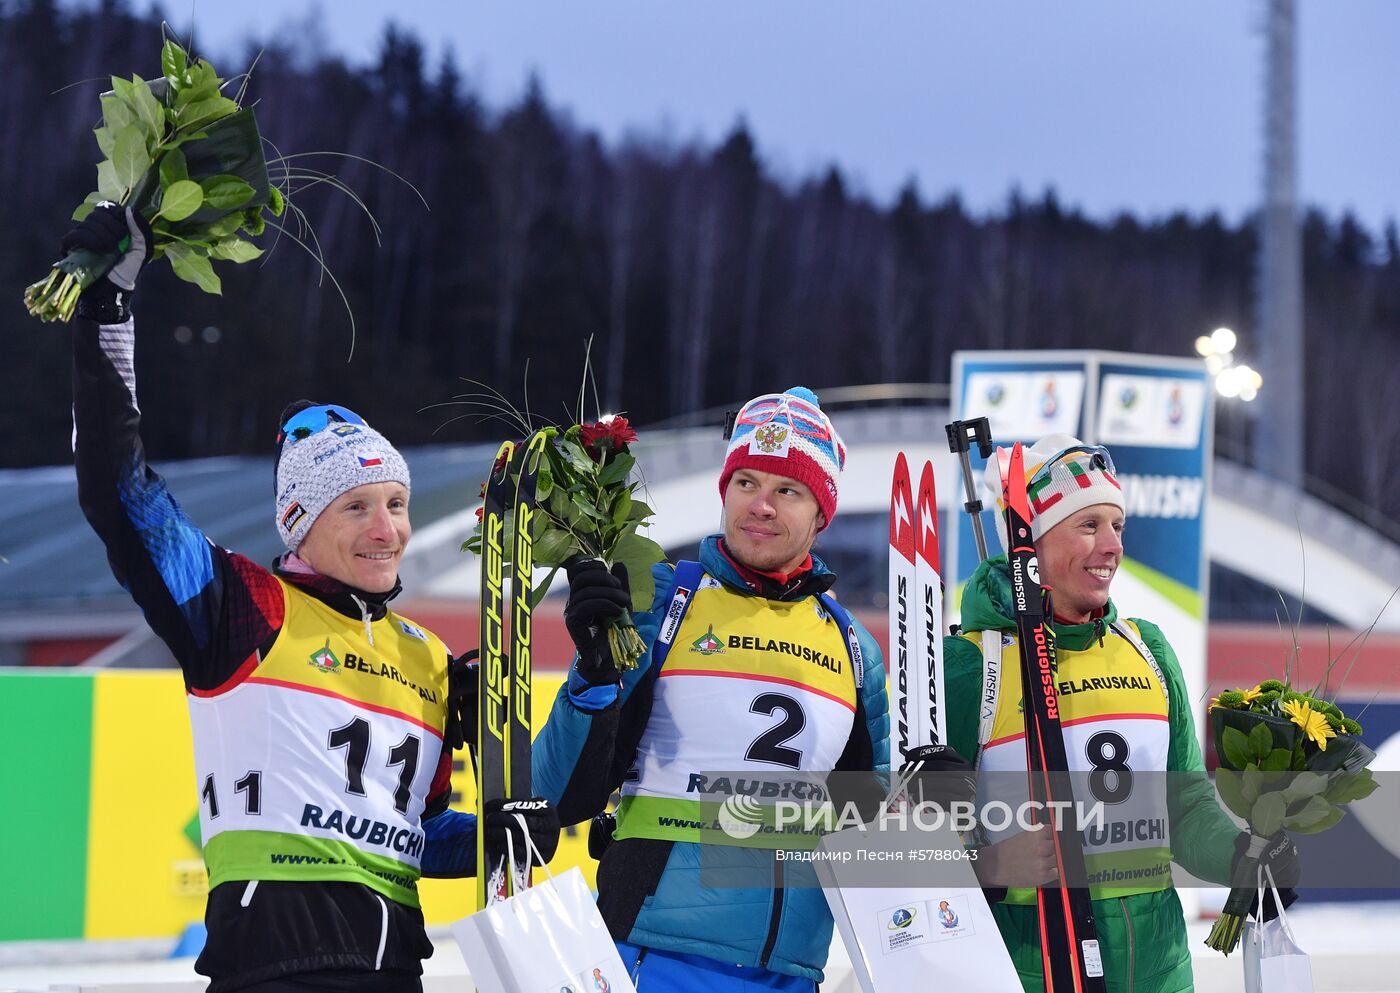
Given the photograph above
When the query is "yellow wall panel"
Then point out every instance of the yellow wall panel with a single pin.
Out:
(144, 874)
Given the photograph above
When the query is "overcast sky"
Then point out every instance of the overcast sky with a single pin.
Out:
(1144, 105)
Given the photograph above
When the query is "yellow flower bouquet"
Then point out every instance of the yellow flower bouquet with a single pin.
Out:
(1289, 761)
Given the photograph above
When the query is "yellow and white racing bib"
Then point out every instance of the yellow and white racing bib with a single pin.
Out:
(1114, 717)
(317, 766)
(751, 690)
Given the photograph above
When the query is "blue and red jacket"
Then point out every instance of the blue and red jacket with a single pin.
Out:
(219, 613)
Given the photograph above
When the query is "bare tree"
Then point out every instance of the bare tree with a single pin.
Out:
(520, 184)
(693, 376)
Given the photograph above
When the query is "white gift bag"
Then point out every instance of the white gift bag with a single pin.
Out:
(548, 939)
(1273, 962)
(914, 937)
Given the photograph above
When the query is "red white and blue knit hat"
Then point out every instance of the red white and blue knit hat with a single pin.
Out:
(788, 433)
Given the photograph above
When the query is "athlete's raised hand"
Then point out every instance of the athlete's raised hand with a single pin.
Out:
(111, 228)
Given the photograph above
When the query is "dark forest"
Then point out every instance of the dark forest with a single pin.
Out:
(701, 278)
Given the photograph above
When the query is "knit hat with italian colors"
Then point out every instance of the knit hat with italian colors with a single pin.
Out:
(1063, 476)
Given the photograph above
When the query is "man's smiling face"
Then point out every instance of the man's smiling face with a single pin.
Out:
(1079, 558)
(360, 538)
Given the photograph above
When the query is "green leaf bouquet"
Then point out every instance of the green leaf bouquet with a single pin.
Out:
(188, 159)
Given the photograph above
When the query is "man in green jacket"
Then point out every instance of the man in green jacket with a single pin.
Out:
(1125, 712)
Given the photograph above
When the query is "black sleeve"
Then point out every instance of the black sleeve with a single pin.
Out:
(215, 610)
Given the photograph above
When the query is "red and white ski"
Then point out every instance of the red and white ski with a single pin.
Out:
(915, 611)
(933, 721)
(903, 644)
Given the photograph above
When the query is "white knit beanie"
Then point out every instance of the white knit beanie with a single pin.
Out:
(1073, 483)
(313, 471)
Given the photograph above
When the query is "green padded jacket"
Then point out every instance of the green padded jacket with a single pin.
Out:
(1143, 936)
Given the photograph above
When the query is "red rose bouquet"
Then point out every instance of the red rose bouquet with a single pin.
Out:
(587, 505)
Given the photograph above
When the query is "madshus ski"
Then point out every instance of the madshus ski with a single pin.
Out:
(915, 610)
(906, 679)
(1068, 933)
(929, 583)
(503, 714)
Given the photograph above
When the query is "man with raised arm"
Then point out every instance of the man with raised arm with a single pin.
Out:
(323, 721)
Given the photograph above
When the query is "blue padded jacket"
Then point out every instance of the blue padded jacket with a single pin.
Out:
(650, 891)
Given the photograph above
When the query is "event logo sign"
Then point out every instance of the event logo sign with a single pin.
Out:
(1026, 404)
(1161, 411)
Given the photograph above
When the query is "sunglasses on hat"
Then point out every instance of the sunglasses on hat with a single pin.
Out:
(1096, 456)
(806, 418)
(305, 423)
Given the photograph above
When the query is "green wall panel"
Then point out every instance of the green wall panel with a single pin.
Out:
(45, 767)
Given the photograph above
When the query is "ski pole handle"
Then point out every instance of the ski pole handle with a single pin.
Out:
(961, 436)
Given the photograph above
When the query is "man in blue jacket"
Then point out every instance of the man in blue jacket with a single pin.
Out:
(752, 669)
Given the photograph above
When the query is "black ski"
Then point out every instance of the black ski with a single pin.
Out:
(1068, 934)
(492, 882)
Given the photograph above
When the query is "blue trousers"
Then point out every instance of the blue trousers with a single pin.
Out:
(655, 971)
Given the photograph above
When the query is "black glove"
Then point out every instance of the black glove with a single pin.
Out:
(866, 792)
(1281, 856)
(938, 774)
(600, 834)
(108, 230)
(540, 818)
(596, 596)
(462, 688)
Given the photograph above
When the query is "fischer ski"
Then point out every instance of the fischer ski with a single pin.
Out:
(517, 752)
(493, 699)
(503, 718)
(1068, 933)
